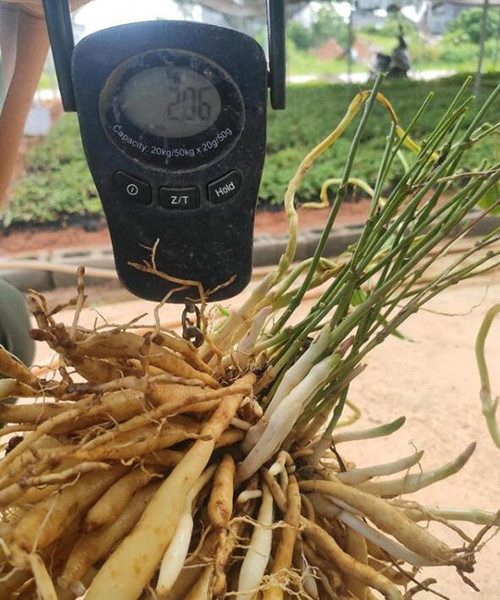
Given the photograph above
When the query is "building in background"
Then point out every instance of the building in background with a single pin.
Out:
(439, 16)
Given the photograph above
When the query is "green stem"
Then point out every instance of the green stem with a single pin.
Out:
(489, 405)
(335, 207)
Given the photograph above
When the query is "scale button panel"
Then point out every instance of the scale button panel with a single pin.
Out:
(133, 188)
(186, 198)
(224, 188)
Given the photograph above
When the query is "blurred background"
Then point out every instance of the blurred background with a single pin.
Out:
(333, 48)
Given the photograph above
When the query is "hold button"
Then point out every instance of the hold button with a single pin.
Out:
(224, 188)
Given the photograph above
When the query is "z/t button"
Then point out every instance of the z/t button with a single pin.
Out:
(180, 198)
(133, 188)
(224, 188)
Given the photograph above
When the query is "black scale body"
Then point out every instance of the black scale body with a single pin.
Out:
(191, 198)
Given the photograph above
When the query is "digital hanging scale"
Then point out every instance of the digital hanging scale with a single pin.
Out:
(173, 121)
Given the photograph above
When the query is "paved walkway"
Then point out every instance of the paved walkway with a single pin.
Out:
(362, 78)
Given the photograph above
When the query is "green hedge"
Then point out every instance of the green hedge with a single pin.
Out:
(57, 186)
(313, 110)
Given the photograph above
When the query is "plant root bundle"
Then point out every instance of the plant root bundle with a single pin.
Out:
(149, 468)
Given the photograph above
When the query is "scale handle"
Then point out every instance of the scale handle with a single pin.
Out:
(277, 52)
(58, 17)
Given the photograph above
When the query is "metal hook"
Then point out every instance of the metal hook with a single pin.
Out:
(13, 442)
(192, 332)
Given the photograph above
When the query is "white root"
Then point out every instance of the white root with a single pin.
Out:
(283, 477)
(247, 495)
(412, 483)
(243, 354)
(367, 434)
(284, 417)
(291, 379)
(358, 476)
(78, 589)
(44, 584)
(327, 507)
(326, 584)
(319, 500)
(279, 465)
(6, 387)
(175, 556)
(239, 321)
(176, 553)
(308, 577)
(240, 424)
(310, 586)
(123, 576)
(426, 513)
(300, 369)
(390, 520)
(395, 549)
(258, 553)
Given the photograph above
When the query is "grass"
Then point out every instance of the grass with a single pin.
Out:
(444, 55)
(305, 63)
(58, 188)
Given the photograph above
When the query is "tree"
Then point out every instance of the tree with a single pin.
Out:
(327, 24)
(301, 36)
(391, 25)
(467, 26)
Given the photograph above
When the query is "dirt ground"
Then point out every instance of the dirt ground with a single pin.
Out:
(433, 381)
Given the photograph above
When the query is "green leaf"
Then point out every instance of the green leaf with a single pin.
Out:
(395, 332)
(358, 297)
(223, 311)
(491, 197)
(7, 218)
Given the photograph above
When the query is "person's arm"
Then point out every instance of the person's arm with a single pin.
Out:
(24, 44)
(24, 49)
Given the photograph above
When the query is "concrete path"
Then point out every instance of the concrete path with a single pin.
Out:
(362, 78)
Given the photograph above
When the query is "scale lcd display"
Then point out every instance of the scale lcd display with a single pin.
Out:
(170, 102)
(172, 109)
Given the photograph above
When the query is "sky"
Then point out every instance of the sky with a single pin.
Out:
(100, 14)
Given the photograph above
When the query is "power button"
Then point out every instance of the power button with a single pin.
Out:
(133, 188)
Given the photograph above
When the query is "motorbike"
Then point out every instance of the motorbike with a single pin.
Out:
(395, 65)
